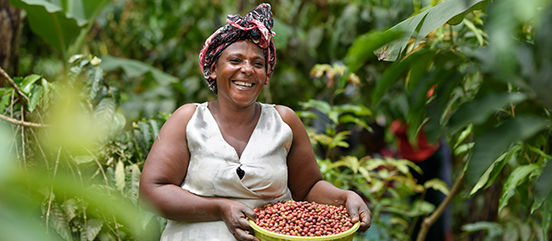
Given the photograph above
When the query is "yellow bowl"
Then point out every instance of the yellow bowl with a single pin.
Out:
(265, 235)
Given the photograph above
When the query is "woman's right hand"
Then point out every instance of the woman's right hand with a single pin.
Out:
(235, 215)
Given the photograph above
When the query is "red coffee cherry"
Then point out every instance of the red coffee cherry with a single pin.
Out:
(303, 218)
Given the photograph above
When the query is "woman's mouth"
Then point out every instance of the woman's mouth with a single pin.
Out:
(242, 84)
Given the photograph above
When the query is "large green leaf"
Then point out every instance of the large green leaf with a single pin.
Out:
(365, 44)
(50, 22)
(543, 186)
(477, 111)
(393, 73)
(518, 176)
(490, 145)
(134, 68)
(426, 22)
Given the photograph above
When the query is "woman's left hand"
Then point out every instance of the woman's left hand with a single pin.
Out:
(358, 211)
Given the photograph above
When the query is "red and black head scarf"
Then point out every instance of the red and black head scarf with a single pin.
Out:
(256, 27)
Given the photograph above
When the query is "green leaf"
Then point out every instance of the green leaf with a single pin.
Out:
(365, 44)
(518, 176)
(120, 176)
(50, 22)
(490, 145)
(83, 159)
(395, 71)
(154, 128)
(4, 102)
(28, 83)
(426, 22)
(105, 111)
(511, 155)
(35, 97)
(146, 134)
(477, 111)
(458, 18)
(546, 216)
(485, 178)
(359, 110)
(494, 229)
(70, 208)
(134, 68)
(133, 184)
(91, 229)
(438, 185)
(58, 221)
(543, 186)
(320, 105)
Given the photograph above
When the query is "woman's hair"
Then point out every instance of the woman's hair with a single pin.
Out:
(256, 27)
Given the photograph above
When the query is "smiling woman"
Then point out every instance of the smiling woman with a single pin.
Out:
(213, 162)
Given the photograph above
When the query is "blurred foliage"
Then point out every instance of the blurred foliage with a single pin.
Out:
(483, 83)
(475, 74)
(79, 169)
(168, 35)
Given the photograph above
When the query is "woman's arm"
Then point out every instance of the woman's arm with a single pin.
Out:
(164, 171)
(305, 180)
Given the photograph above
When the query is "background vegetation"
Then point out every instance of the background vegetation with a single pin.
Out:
(87, 85)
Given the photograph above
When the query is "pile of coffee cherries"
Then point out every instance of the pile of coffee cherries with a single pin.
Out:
(301, 218)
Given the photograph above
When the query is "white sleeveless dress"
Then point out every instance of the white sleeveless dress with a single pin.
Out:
(213, 164)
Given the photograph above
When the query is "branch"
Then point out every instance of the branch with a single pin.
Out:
(21, 123)
(12, 83)
(428, 221)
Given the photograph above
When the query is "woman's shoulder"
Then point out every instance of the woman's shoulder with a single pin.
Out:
(288, 115)
(183, 114)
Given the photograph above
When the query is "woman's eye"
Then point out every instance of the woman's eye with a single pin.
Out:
(259, 64)
(234, 61)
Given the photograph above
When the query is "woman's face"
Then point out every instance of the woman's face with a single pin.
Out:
(240, 73)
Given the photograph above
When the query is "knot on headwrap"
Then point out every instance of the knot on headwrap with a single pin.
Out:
(255, 26)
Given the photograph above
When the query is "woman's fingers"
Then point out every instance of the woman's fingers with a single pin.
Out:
(241, 232)
(365, 220)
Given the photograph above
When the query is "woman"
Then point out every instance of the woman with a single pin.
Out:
(213, 162)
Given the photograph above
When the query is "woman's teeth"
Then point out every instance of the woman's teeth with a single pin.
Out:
(242, 83)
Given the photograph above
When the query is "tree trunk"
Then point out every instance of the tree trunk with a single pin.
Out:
(10, 22)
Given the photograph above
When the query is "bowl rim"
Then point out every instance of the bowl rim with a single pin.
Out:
(350, 231)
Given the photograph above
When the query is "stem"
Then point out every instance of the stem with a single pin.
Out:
(23, 140)
(14, 85)
(50, 199)
(20, 122)
(116, 228)
(428, 221)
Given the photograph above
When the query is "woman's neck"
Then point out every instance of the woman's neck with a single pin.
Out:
(232, 114)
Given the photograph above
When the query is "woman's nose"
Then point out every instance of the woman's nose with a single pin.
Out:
(247, 68)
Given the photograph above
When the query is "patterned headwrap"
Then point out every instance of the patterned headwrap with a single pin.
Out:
(256, 26)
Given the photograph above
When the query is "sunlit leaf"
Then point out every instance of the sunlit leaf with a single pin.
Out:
(490, 145)
(426, 22)
(36, 95)
(28, 83)
(438, 185)
(83, 159)
(518, 176)
(120, 176)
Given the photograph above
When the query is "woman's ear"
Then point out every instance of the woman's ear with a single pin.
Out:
(213, 74)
